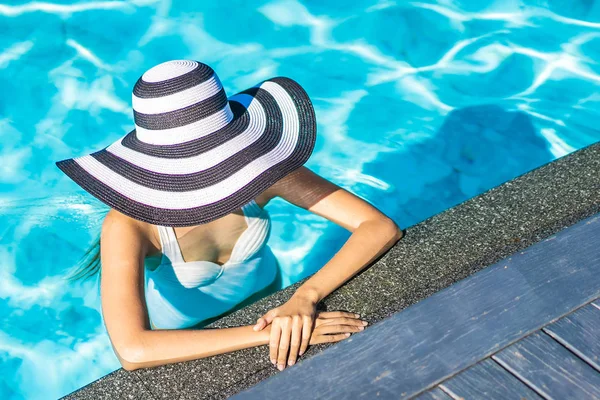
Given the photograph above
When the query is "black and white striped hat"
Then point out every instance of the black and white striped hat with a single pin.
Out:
(196, 155)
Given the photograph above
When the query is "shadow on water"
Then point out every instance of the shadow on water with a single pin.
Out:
(475, 149)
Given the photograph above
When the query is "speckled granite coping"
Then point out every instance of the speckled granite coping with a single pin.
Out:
(433, 254)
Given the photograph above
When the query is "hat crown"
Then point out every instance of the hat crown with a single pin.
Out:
(178, 101)
(172, 69)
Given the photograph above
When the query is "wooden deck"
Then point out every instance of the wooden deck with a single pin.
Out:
(526, 327)
(543, 364)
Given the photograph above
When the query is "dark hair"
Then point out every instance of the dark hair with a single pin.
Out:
(89, 264)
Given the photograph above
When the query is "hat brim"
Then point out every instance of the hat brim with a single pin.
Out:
(273, 132)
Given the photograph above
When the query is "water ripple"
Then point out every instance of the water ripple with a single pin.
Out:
(420, 105)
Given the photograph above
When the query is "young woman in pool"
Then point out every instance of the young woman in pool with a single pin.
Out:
(207, 165)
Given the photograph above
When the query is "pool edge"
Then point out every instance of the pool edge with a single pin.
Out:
(434, 254)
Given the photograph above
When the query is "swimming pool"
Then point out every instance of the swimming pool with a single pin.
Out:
(420, 105)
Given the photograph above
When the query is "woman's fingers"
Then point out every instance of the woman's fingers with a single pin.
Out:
(340, 320)
(264, 320)
(335, 338)
(339, 328)
(336, 329)
(260, 324)
(346, 321)
(336, 314)
(284, 342)
(319, 338)
(307, 328)
(295, 339)
(291, 336)
(331, 314)
(274, 341)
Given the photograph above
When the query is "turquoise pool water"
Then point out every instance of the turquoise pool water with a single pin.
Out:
(420, 105)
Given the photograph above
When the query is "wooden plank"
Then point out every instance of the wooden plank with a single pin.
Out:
(453, 329)
(550, 369)
(433, 394)
(487, 380)
(580, 333)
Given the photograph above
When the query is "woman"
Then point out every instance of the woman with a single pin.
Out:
(207, 165)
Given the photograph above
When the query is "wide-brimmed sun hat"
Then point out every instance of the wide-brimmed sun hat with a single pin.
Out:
(195, 154)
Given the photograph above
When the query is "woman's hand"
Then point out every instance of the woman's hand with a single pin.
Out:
(329, 326)
(333, 326)
(291, 328)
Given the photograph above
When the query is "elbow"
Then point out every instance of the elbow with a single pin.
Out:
(131, 356)
(392, 229)
(127, 366)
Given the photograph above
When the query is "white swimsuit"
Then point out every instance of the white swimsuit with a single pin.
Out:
(181, 294)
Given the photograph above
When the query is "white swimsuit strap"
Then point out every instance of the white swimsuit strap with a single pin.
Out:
(255, 235)
(248, 243)
(251, 210)
(170, 247)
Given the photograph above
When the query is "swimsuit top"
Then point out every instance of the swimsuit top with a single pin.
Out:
(173, 269)
(180, 294)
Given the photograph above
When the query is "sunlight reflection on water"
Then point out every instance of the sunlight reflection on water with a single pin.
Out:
(420, 105)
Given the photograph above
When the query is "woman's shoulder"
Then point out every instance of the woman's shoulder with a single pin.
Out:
(289, 183)
(121, 226)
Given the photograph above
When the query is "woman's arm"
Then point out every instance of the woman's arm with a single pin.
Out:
(159, 347)
(124, 244)
(373, 233)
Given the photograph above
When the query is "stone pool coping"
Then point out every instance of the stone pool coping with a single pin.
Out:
(433, 254)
